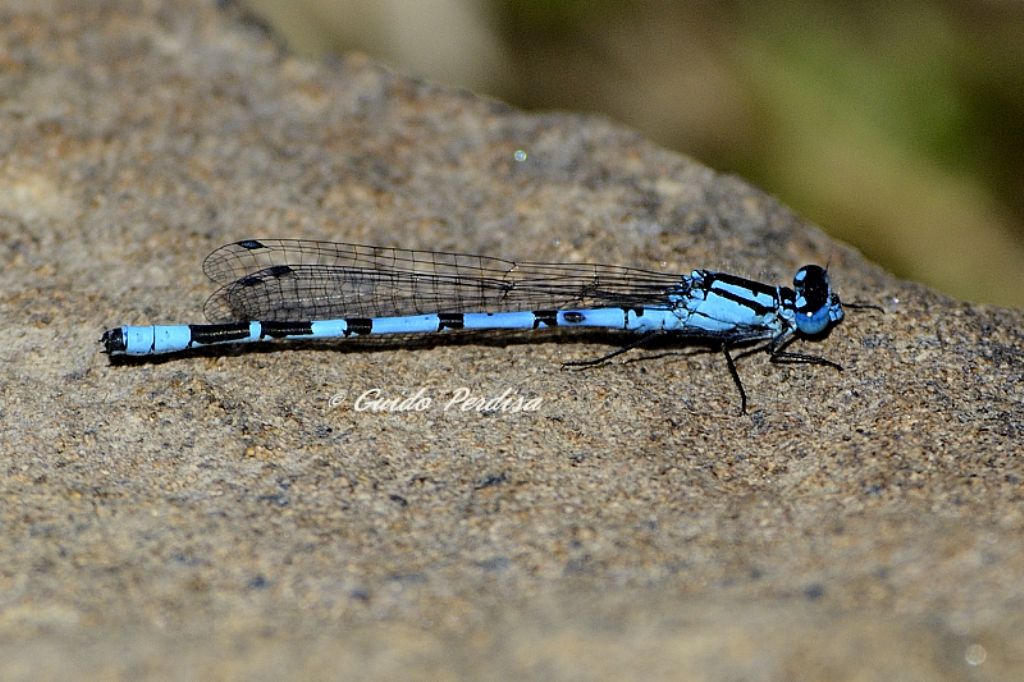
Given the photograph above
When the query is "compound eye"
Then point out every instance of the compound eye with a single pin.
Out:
(813, 298)
(812, 288)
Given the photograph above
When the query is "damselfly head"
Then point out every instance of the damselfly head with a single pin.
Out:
(816, 305)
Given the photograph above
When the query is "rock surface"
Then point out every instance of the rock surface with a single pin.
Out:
(235, 515)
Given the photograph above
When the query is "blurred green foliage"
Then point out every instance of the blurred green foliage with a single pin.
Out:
(898, 127)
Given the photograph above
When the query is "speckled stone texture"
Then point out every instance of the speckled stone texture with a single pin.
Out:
(236, 515)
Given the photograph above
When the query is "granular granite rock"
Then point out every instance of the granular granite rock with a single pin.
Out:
(236, 515)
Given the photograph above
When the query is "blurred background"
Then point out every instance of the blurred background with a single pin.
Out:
(897, 127)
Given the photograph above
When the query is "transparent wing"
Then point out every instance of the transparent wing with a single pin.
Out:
(293, 279)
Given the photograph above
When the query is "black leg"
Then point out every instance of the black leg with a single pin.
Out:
(736, 377)
(778, 355)
(802, 359)
(775, 354)
(618, 351)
